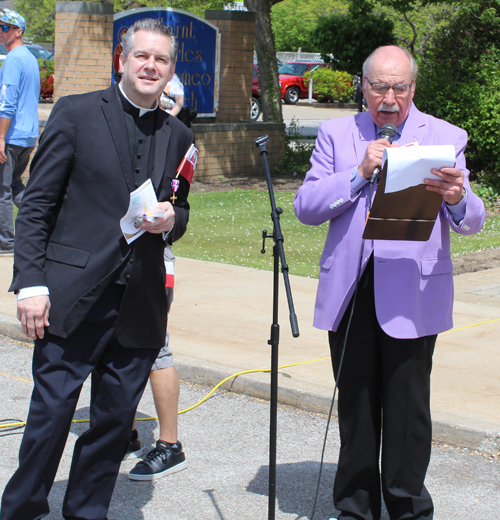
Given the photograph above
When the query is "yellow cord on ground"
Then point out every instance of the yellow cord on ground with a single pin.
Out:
(470, 326)
(75, 421)
(20, 423)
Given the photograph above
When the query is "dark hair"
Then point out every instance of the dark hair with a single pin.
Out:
(151, 25)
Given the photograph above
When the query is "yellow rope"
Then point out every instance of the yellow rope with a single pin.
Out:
(470, 326)
(191, 407)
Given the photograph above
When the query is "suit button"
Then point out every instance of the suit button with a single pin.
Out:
(332, 206)
(341, 200)
(127, 277)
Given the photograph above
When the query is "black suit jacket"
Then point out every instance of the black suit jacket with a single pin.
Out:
(68, 234)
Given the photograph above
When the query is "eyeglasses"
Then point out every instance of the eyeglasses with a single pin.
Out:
(381, 88)
(7, 28)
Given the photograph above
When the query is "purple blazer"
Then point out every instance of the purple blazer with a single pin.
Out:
(413, 280)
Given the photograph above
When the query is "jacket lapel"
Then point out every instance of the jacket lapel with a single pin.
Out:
(415, 127)
(113, 112)
(162, 138)
(363, 135)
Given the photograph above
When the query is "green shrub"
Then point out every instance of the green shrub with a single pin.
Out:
(48, 69)
(459, 81)
(331, 85)
(298, 150)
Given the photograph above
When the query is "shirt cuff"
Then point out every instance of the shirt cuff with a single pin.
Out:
(457, 211)
(30, 292)
(167, 233)
(357, 182)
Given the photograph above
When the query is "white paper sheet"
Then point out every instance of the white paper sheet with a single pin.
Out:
(410, 165)
(143, 201)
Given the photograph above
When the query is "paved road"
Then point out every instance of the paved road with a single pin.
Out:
(226, 442)
(308, 118)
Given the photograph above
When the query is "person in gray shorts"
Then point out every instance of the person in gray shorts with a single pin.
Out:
(167, 457)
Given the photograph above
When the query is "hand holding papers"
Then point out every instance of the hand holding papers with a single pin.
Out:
(410, 165)
(142, 207)
(403, 208)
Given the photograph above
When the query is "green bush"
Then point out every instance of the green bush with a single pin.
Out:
(331, 85)
(459, 81)
(48, 66)
(298, 151)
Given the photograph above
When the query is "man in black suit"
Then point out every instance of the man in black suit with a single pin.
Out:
(106, 298)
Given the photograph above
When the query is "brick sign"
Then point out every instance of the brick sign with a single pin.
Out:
(198, 57)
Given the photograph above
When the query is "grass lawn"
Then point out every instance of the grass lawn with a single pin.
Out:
(227, 227)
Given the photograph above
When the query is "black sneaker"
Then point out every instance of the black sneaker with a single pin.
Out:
(159, 462)
(134, 450)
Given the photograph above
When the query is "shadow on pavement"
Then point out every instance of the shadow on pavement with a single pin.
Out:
(296, 488)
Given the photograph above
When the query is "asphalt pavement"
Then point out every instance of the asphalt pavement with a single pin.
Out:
(226, 442)
(307, 117)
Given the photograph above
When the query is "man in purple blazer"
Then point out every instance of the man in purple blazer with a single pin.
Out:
(404, 297)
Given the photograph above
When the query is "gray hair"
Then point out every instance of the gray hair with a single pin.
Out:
(151, 25)
(367, 65)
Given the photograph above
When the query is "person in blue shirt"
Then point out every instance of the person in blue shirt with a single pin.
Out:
(19, 95)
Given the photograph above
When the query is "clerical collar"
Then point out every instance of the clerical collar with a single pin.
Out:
(142, 110)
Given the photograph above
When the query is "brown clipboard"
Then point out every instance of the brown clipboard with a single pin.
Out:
(408, 214)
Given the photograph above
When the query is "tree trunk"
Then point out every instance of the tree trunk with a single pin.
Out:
(266, 55)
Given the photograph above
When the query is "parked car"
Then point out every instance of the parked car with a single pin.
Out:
(40, 53)
(255, 108)
(292, 84)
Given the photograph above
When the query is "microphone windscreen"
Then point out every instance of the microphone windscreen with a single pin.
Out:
(388, 131)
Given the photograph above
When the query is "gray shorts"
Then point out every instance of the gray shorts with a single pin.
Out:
(165, 357)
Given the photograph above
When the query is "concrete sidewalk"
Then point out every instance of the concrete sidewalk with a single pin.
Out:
(220, 325)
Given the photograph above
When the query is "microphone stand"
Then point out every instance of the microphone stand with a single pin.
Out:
(278, 253)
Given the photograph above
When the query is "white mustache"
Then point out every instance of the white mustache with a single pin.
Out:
(388, 108)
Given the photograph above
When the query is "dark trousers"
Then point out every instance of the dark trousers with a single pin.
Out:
(384, 386)
(60, 367)
(11, 190)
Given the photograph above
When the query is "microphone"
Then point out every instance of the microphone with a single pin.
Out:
(388, 132)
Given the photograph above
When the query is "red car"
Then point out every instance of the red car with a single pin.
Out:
(292, 84)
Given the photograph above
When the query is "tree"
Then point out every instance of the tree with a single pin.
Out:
(350, 38)
(459, 81)
(417, 20)
(40, 18)
(266, 55)
(293, 21)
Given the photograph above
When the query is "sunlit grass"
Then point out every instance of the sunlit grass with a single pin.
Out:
(226, 227)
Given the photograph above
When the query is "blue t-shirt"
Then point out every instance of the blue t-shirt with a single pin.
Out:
(19, 96)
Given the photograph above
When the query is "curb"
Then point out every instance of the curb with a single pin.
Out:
(481, 440)
(11, 328)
